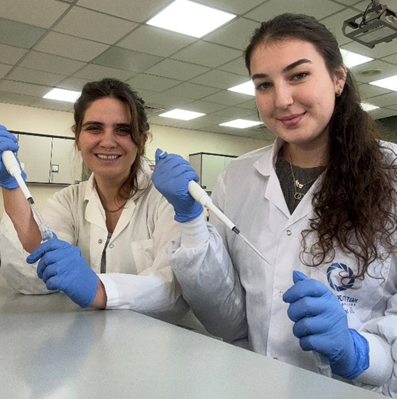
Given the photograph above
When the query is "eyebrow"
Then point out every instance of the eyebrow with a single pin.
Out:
(286, 69)
(102, 124)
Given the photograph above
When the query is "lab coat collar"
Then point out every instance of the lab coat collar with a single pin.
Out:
(266, 165)
(95, 213)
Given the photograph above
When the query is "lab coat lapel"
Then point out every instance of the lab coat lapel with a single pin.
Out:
(125, 218)
(94, 212)
(266, 167)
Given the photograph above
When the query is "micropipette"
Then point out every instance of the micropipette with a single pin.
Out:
(203, 198)
(13, 168)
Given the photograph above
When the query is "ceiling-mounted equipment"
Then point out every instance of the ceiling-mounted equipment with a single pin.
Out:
(377, 24)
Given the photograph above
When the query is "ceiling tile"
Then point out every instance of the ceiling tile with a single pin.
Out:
(18, 34)
(28, 89)
(382, 113)
(4, 69)
(220, 79)
(204, 106)
(207, 54)
(385, 100)
(349, 2)
(335, 23)
(97, 72)
(163, 42)
(11, 55)
(227, 98)
(162, 121)
(32, 76)
(13, 98)
(31, 12)
(70, 46)
(54, 105)
(235, 34)
(250, 104)
(169, 101)
(73, 83)
(152, 82)
(386, 68)
(391, 58)
(380, 50)
(132, 10)
(237, 66)
(233, 6)
(234, 113)
(191, 90)
(121, 58)
(51, 63)
(176, 70)
(93, 25)
(369, 91)
(318, 9)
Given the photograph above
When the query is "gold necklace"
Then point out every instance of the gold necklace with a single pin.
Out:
(297, 184)
(115, 210)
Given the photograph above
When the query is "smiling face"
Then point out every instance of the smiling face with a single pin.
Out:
(105, 140)
(295, 93)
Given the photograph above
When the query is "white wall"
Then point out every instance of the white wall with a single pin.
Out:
(172, 140)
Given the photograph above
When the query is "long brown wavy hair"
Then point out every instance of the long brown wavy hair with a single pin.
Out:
(354, 207)
(114, 88)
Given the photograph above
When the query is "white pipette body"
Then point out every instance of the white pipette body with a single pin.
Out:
(11, 163)
(13, 168)
(203, 198)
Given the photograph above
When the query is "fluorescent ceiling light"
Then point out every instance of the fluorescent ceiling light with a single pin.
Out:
(352, 59)
(240, 123)
(245, 88)
(181, 114)
(190, 18)
(389, 83)
(63, 95)
(368, 107)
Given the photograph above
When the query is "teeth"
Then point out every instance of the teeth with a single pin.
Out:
(101, 156)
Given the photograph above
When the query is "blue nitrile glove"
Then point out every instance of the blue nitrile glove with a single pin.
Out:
(321, 325)
(62, 267)
(8, 142)
(171, 177)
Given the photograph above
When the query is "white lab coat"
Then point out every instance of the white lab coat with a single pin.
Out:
(138, 276)
(243, 304)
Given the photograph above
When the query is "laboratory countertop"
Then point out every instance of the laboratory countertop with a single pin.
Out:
(50, 348)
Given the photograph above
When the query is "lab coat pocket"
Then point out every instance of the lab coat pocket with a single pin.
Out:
(142, 252)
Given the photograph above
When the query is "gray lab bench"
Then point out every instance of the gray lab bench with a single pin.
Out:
(49, 348)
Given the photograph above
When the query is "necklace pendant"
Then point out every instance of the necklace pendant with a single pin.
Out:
(298, 196)
(297, 184)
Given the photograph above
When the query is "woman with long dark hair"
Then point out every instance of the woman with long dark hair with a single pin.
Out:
(319, 204)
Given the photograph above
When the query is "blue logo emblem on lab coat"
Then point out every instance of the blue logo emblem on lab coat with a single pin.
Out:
(336, 272)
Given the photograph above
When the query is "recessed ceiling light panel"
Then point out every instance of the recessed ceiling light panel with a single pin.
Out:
(63, 95)
(190, 18)
(241, 123)
(181, 114)
(353, 59)
(368, 107)
(245, 88)
(389, 83)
